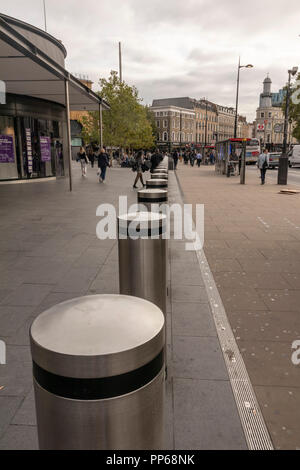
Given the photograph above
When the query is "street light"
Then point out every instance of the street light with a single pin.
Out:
(248, 66)
(283, 159)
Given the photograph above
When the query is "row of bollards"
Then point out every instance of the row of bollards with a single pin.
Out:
(99, 360)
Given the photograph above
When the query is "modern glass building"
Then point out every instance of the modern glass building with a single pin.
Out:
(36, 96)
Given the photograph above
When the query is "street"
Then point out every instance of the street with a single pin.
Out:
(293, 174)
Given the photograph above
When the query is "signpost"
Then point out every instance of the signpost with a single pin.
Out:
(243, 163)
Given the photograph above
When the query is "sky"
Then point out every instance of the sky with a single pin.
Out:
(174, 48)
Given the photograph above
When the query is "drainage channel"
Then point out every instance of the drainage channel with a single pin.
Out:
(255, 429)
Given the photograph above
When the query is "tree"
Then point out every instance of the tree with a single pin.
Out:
(126, 124)
(294, 108)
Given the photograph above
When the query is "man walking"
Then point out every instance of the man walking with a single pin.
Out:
(263, 163)
(103, 163)
(199, 159)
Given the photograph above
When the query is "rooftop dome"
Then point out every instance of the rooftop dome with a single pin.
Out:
(267, 80)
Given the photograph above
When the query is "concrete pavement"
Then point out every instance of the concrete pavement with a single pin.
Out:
(50, 253)
(252, 243)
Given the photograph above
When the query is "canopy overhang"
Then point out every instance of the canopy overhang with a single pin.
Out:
(26, 70)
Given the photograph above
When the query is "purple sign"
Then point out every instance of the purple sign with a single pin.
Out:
(45, 143)
(7, 150)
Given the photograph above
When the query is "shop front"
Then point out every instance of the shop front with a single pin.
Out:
(32, 136)
(37, 96)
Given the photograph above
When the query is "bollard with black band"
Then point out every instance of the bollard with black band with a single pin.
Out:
(157, 183)
(152, 199)
(159, 176)
(98, 368)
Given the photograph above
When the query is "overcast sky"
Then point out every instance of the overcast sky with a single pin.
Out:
(176, 47)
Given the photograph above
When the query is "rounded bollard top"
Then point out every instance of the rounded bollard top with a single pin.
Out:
(146, 218)
(97, 336)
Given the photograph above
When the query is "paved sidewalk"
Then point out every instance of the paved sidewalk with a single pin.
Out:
(252, 243)
(50, 253)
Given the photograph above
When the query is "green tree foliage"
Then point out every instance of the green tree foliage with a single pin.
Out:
(294, 108)
(127, 124)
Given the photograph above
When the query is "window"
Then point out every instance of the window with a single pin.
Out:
(262, 115)
(157, 123)
(270, 114)
(165, 123)
(165, 136)
(173, 136)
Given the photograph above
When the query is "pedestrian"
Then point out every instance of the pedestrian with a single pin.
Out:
(81, 157)
(185, 157)
(192, 158)
(156, 158)
(212, 157)
(138, 168)
(91, 156)
(262, 164)
(199, 158)
(175, 158)
(103, 163)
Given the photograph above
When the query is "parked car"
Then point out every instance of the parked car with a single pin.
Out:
(294, 156)
(274, 159)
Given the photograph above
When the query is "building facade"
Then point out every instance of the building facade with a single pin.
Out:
(269, 123)
(175, 124)
(226, 118)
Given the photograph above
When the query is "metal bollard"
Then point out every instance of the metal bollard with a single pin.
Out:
(170, 163)
(156, 183)
(152, 198)
(159, 176)
(160, 170)
(98, 367)
(142, 259)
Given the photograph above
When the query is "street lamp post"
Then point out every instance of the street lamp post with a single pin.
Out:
(283, 159)
(249, 66)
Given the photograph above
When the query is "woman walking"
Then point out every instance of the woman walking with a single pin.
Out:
(138, 169)
(81, 157)
(103, 163)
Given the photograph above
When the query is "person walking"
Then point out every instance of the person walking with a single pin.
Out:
(212, 157)
(199, 159)
(192, 158)
(103, 163)
(175, 158)
(81, 157)
(91, 156)
(138, 169)
(262, 164)
(156, 158)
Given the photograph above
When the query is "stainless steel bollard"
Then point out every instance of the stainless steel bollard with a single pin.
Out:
(98, 367)
(152, 198)
(160, 170)
(142, 261)
(159, 176)
(170, 163)
(156, 183)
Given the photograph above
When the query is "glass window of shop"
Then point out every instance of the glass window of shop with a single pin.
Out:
(42, 150)
(30, 148)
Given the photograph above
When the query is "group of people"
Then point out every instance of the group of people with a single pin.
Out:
(195, 156)
(92, 155)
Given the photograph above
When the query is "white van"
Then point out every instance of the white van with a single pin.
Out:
(294, 156)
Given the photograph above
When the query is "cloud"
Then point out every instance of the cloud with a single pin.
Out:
(176, 48)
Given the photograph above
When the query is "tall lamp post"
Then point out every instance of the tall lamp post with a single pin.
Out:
(283, 159)
(249, 66)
